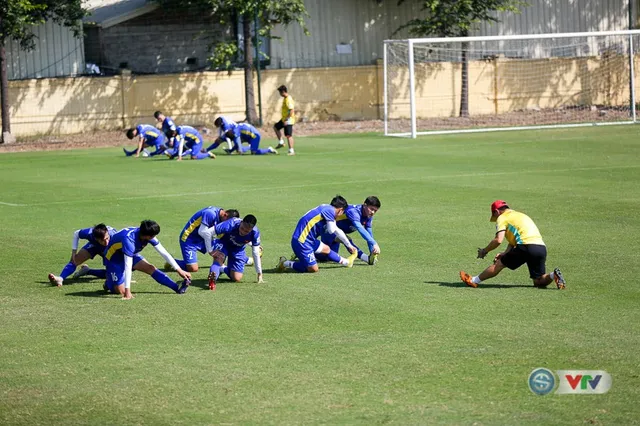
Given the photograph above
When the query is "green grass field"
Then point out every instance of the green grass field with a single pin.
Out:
(403, 342)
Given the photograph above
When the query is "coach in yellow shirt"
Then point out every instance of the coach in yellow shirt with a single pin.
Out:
(287, 121)
(525, 246)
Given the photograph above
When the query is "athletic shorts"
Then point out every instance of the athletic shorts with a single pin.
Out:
(288, 128)
(115, 272)
(93, 249)
(190, 250)
(533, 255)
(236, 259)
(306, 252)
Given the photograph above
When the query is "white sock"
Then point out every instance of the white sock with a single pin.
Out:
(290, 149)
(343, 261)
(476, 279)
(288, 264)
(364, 257)
(281, 141)
(552, 275)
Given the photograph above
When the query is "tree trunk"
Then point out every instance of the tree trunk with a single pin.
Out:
(249, 96)
(464, 86)
(4, 94)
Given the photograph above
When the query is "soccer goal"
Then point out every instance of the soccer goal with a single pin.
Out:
(479, 84)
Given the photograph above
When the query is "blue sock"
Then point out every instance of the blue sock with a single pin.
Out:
(159, 150)
(69, 269)
(321, 257)
(225, 270)
(215, 268)
(129, 153)
(202, 155)
(260, 152)
(213, 146)
(164, 279)
(333, 256)
(100, 273)
(244, 149)
(299, 267)
(182, 264)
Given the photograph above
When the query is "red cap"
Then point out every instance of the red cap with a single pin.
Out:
(497, 205)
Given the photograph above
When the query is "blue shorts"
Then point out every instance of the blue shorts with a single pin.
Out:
(115, 272)
(190, 250)
(156, 142)
(93, 249)
(236, 259)
(306, 252)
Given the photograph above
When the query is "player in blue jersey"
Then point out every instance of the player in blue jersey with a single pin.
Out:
(305, 242)
(356, 218)
(166, 122)
(122, 255)
(247, 133)
(147, 136)
(233, 235)
(98, 238)
(197, 234)
(223, 124)
(187, 141)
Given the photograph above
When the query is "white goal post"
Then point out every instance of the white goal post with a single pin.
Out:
(480, 84)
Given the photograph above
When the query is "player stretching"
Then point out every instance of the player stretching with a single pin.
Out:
(234, 235)
(525, 246)
(356, 218)
(223, 125)
(122, 255)
(305, 243)
(197, 235)
(189, 138)
(287, 121)
(249, 134)
(147, 136)
(98, 238)
(167, 122)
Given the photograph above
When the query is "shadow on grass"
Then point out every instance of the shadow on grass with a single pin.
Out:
(461, 284)
(203, 283)
(102, 293)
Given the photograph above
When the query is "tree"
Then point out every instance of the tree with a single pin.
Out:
(17, 18)
(225, 53)
(456, 18)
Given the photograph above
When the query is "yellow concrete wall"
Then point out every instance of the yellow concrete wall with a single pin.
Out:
(74, 105)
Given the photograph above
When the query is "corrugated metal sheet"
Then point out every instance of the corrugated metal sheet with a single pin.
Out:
(57, 53)
(561, 16)
(365, 24)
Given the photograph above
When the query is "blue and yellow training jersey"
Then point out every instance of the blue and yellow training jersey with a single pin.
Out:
(126, 242)
(229, 235)
(312, 224)
(209, 216)
(151, 135)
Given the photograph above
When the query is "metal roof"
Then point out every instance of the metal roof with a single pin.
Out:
(107, 13)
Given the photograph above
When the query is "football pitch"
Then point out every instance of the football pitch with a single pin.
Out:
(401, 342)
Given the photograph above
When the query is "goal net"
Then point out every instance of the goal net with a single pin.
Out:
(471, 84)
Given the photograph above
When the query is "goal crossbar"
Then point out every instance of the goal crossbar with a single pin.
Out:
(529, 81)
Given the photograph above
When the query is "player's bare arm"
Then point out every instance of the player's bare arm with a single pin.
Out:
(493, 244)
